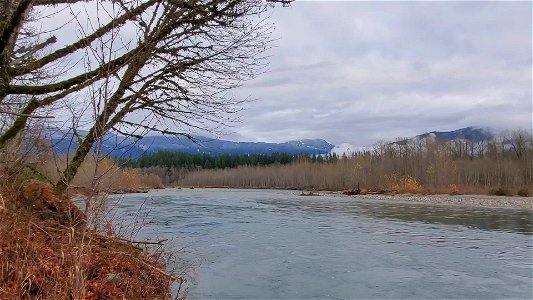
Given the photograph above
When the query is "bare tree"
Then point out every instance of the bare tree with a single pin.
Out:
(519, 141)
(177, 71)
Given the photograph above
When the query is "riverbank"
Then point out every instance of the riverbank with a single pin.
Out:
(512, 202)
(48, 252)
(484, 201)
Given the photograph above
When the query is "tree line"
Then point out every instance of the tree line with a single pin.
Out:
(189, 161)
(501, 162)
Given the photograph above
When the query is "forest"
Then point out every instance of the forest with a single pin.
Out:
(181, 160)
(501, 164)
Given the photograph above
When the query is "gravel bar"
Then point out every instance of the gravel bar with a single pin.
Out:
(455, 200)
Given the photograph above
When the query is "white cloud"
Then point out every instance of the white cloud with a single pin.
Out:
(356, 72)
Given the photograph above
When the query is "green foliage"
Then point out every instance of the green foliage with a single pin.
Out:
(188, 161)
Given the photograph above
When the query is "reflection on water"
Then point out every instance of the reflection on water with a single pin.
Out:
(276, 245)
(489, 219)
(511, 220)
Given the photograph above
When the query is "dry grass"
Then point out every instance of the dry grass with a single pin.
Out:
(101, 175)
(404, 184)
(47, 252)
(458, 189)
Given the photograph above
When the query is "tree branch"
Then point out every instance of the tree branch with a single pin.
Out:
(25, 115)
(82, 43)
(10, 28)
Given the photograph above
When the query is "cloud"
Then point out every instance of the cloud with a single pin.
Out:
(357, 72)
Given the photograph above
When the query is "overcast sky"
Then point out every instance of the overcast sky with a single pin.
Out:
(357, 72)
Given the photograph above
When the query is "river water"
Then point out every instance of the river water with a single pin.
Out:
(249, 244)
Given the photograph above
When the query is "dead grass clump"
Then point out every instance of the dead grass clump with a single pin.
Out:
(404, 184)
(47, 253)
(452, 189)
(111, 177)
(39, 199)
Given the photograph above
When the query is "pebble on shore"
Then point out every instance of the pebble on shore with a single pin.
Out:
(457, 200)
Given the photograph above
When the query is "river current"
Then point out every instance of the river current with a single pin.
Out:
(270, 244)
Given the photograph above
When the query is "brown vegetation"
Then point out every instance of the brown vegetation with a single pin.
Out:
(47, 252)
(102, 175)
(498, 165)
(50, 250)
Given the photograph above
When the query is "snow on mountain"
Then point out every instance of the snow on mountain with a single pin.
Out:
(123, 146)
(117, 145)
(347, 149)
(468, 133)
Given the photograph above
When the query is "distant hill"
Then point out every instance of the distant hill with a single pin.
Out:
(470, 133)
(119, 146)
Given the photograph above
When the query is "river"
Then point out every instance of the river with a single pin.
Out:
(270, 244)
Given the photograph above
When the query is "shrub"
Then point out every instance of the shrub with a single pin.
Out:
(501, 191)
(452, 189)
(404, 184)
(523, 192)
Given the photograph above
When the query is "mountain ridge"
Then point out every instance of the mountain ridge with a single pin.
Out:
(470, 133)
(121, 146)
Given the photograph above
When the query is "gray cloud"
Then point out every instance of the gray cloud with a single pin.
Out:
(357, 72)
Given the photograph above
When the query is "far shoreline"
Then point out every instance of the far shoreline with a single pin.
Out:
(466, 200)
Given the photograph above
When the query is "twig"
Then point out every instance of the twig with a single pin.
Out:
(151, 266)
(25, 115)
(106, 238)
(40, 228)
(143, 242)
(179, 287)
(131, 241)
(2, 203)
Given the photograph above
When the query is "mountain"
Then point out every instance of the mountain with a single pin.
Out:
(471, 133)
(120, 146)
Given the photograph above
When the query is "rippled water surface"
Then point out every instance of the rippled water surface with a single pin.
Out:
(274, 244)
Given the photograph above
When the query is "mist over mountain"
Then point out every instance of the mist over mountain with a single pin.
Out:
(471, 133)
